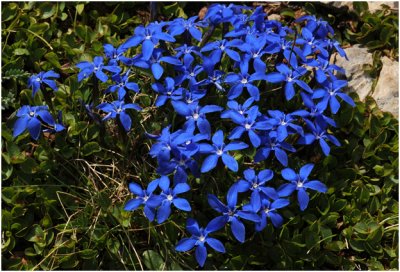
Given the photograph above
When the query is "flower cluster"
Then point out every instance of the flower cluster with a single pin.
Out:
(255, 56)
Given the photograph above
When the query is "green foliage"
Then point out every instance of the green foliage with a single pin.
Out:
(63, 197)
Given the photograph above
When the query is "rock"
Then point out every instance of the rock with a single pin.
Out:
(372, 5)
(359, 82)
(276, 17)
(386, 92)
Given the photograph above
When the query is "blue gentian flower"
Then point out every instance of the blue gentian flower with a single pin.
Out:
(196, 115)
(149, 37)
(244, 80)
(299, 182)
(188, 72)
(316, 111)
(311, 45)
(35, 81)
(166, 91)
(220, 150)
(320, 27)
(236, 108)
(230, 213)
(115, 55)
(255, 183)
(154, 62)
(180, 25)
(291, 77)
(31, 117)
(323, 68)
(268, 210)
(118, 108)
(122, 84)
(88, 68)
(270, 143)
(332, 88)
(186, 51)
(318, 133)
(199, 239)
(169, 196)
(249, 124)
(284, 123)
(223, 46)
(146, 198)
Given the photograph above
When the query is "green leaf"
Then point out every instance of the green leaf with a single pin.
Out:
(39, 28)
(29, 166)
(287, 12)
(90, 148)
(87, 254)
(53, 59)
(152, 260)
(79, 8)
(48, 9)
(21, 51)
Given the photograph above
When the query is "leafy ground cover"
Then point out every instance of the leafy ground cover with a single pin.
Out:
(63, 207)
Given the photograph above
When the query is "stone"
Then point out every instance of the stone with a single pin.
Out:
(386, 92)
(372, 5)
(276, 17)
(359, 82)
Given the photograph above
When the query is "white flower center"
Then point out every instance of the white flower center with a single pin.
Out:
(38, 79)
(188, 142)
(219, 152)
(266, 210)
(202, 238)
(31, 114)
(255, 55)
(241, 112)
(289, 79)
(222, 47)
(255, 185)
(148, 37)
(299, 184)
(119, 110)
(145, 198)
(196, 116)
(244, 81)
(170, 197)
(191, 74)
(247, 126)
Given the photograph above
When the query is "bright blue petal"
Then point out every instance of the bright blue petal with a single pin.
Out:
(163, 212)
(209, 163)
(185, 244)
(201, 254)
(303, 198)
(238, 229)
(182, 204)
(230, 162)
(215, 244)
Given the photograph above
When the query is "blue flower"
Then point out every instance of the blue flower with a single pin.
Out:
(316, 111)
(35, 81)
(220, 150)
(186, 51)
(284, 123)
(115, 55)
(31, 117)
(166, 91)
(223, 46)
(180, 25)
(318, 133)
(122, 83)
(244, 80)
(331, 89)
(299, 182)
(291, 77)
(169, 196)
(117, 108)
(200, 238)
(144, 197)
(268, 210)
(230, 213)
(270, 143)
(255, 183)
(149, 37)
(88, 68)
(249, 124)
(236, 108)
(195, 115)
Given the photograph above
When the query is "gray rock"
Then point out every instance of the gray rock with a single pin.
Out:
(359, 82)
(372, 5)
(386, 92)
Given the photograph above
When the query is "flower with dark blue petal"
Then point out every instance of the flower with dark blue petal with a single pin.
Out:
(255, 183)
(97, 66)
(270, 143)
(35, 81)
(200, 238)
(118, 109)
(300, 183)
(169, 196)
(219, 150)
(231, 214)
(122, 84)
(144, 197)
(31, 118)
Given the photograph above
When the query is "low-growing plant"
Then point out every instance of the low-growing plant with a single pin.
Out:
(239, 111)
